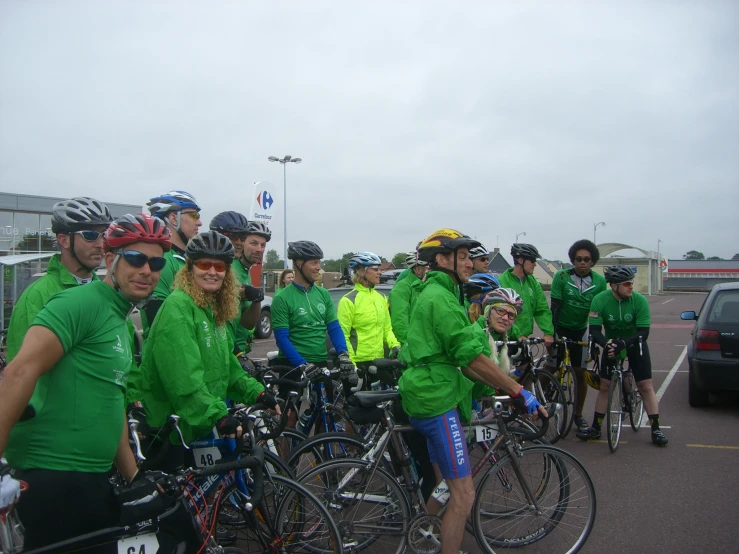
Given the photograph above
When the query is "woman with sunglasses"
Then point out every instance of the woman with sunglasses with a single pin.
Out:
(573, 291)
(79, 224)
(188, 367)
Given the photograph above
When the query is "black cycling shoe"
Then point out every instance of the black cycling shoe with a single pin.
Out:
(659, 438)
(591, 433)
(581, 423)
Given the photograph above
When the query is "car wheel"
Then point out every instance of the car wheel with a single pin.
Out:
(264, 327)
(697, 398)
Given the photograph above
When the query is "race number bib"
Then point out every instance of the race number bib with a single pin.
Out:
(485, 432)
(141, 544)
(206, 457)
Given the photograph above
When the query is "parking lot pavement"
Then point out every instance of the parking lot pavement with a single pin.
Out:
(680, 498)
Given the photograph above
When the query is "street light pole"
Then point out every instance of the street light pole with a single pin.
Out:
(519, 234)
(284, 161)
(595, 226)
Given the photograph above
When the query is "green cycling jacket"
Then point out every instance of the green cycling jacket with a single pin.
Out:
(535, 305)
(57, 279)
(175, 261)
(189, 368)
(365, 321)
(402, 296)
(441, 339)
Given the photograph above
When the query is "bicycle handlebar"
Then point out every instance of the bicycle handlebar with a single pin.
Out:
(515, 412)
(386, 363)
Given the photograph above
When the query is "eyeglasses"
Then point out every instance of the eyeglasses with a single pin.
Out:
(627, 284)
(502, 312)
(585, 259)
(373, 267)
(236, 236)
(205, 265)
(138, 259)
(89, 235)
(483, 259)
(192, 215)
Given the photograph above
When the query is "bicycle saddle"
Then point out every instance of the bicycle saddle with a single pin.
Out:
(371, 398)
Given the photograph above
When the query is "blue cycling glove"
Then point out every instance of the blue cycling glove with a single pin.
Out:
(525, 402)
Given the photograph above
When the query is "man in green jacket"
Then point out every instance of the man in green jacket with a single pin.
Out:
(403, 293)
(521, 279)
(445, 353)
(79, 224)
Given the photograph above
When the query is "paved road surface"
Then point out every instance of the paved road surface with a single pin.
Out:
(681, 498)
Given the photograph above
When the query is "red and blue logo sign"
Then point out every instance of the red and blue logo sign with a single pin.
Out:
(264, 199)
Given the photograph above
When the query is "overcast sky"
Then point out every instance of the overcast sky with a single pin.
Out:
(493, 118)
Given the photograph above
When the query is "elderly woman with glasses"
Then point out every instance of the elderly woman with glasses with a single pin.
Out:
(188, 366)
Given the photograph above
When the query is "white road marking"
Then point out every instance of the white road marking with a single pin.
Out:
(668, 379)
(670, 300)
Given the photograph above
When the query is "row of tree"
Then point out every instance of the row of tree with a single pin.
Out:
(272, 260)
(695, 255)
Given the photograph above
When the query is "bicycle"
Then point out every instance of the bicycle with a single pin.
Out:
(631, 403)
(546, 492)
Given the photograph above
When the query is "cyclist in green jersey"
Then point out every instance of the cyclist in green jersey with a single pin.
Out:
(188, 367)
(79, 224)
(573, 291)
(445, 353)
(249, 241)
(62, 423)
(363, 314)
(286, 277)
(480, 257)
(181, 212)
(625, 316)
(403, 293)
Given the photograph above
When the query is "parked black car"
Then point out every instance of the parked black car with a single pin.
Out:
(713, 352)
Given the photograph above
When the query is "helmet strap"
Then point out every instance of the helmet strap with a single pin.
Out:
(74, 255)
(299, 267)
(363, 278)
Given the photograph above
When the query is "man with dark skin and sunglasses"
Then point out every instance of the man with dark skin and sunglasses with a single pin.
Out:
(181, 212)
(78, 224)
(573, 291)
(62, 421)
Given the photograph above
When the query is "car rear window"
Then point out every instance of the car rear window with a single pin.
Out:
(725, 308)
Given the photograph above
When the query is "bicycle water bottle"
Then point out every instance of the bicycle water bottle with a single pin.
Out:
(305, 416)
(515, 373)
(441, 493)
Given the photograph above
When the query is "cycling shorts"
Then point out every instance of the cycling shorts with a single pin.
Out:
(639, 363)
(446, 443)
(578, 354)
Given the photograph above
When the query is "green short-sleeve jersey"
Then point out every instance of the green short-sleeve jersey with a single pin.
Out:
(440, 340)
(79, 403)
(305, 313)
(175, 261)
(575, 296)
(240, 335)
(57, 279)
(619, 317)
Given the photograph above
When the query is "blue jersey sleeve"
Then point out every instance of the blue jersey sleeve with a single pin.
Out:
(337, 336)
(282, 338)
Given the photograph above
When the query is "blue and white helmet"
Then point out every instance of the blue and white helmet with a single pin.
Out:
(364, 259)
(172, 201)
(480, 283)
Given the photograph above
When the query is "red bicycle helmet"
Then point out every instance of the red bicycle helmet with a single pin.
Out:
(129, 229)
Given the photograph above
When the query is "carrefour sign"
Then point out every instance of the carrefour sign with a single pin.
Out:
(263, 202)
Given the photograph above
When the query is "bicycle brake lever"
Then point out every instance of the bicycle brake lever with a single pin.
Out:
(133, 428)
(175, 423)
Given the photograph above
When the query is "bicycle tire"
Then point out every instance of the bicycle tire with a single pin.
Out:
(371, 508)
(636, 403)
(298, 521)
(568, 382)
(567, 505)
(615, 414)
(549, 393)
(326, 446)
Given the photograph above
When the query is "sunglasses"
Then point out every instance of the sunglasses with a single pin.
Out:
(89, 235)
(502, 312)
(483, 259)
(236, 236)
(585, 259)
(192, 215)
(627, 284)
(205, 265)
(139, 259)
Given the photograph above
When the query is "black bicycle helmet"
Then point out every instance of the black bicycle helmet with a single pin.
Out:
(77, 214)
(618, 274)
(259, 228)
(211, 244)
(304, 250)
(526, 251)
(229, 222)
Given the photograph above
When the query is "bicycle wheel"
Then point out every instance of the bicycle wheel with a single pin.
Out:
(636, 404)
(289, 519)
(540, 501)
(615, 414)
(368, 505)
(568, 382)
(324, 447)
(548, 391)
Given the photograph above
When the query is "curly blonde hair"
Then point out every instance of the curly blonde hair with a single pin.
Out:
(224, 304)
